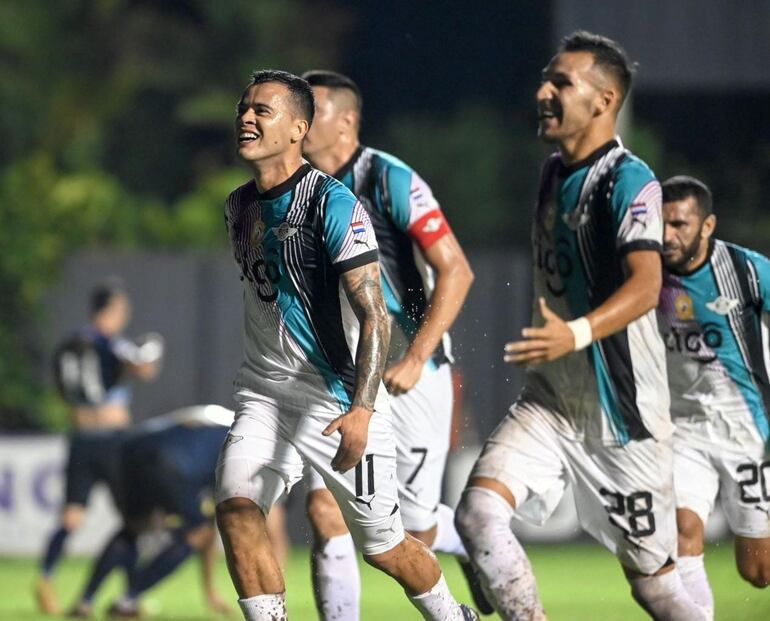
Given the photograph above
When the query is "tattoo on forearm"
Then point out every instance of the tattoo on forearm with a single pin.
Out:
(365, 295)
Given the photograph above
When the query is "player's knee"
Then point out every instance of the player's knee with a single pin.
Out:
(690, 533)
(232, 514)
(325, 516)
(389, 560)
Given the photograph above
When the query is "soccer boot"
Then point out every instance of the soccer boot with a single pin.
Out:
(484, 606)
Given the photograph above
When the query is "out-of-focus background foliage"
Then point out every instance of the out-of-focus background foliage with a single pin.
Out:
(116, 117)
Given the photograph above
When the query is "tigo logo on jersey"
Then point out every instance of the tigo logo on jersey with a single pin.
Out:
(358, 227)
(722, 305)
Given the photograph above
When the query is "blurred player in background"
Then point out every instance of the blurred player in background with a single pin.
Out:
(425, 279)
(593, 412)
(165, 472)
(713, 317)
(316, 338)
(92, 368)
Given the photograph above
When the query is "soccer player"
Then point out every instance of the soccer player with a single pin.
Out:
(712, 314)
(166, 465)
(425, 279)
(593, 412)
(92, 368)
(316, 333)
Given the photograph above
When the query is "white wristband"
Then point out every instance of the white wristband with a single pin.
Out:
(581, 330)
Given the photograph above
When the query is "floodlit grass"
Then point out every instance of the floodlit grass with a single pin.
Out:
(577, 582)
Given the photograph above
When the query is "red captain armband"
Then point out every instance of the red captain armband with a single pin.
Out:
(429, 229)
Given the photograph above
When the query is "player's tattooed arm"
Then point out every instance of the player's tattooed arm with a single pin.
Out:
(362, 286)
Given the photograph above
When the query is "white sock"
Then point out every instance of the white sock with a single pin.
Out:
(483, 519)
(336, 581)
(665, 598)
(447, 539)
(269, 607)
(438, 604)
(696, 582)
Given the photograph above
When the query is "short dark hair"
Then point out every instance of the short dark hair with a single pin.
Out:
(299, 90)
(608, 54)
(682, 187)
(332, 79)
(104, 293)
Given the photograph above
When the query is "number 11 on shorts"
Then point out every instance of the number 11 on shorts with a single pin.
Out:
(369, 476)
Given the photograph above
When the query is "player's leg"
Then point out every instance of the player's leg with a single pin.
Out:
(276, 530)
(336, 579)
(520, 461)
(79, 479)
(256, 466)
(745, 498)
(625, 499)
(696, 485)
(367, 495)
(422, 424)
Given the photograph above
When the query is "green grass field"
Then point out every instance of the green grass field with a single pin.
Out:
(577, 582)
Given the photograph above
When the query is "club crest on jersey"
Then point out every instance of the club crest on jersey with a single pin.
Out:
(283, 231)
(358, 227)
(683, 307)
(550, 217)
(257, 234)
(722, 305)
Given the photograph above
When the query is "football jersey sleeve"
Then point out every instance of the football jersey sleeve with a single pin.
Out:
(413, 208)
(637, 208)
(759, 266)
(348, 232)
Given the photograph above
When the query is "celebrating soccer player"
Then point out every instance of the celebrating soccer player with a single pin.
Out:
(425, 278)
(593, 412)
(316, 338)
(712, 313)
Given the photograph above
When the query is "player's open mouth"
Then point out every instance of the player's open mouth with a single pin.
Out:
(245, 137)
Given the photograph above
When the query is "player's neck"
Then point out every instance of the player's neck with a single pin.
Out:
(335, 157)
(274, 171)
(580, 146)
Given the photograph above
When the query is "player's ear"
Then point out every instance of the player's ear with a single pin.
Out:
(349, 119)
(709, 224)
(606, 100)
(299, 129)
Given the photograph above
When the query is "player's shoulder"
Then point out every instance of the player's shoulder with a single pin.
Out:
(634, 173)
(243, 194)
(747, 254)
(383, 161)
(333, 192)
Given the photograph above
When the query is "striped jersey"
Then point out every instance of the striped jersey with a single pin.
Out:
(589, 215)
(714, 325)
(292, 243)
(407, 219)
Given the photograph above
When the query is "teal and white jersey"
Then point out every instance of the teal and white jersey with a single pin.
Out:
(407, 219)
(589, 216)
(714, 324)
(292, 243)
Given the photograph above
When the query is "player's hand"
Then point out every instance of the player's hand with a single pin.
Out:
(353, 426)
(403, 375)
(550, 342)
(218, 605)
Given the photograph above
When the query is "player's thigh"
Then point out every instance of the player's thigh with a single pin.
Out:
(696, 479)
(625, 500)
(80, 471)
(524, 454)
(258, 460)
(745, 490)
(322, 511)
(422, 420)
(367, 494)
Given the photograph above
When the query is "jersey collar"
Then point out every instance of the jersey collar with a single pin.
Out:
(565, 171)
(348, 166)
(285, 186)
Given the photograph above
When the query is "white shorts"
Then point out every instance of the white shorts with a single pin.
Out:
(422, 420)
(263, 456)
(624, 494)
(740, 477)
